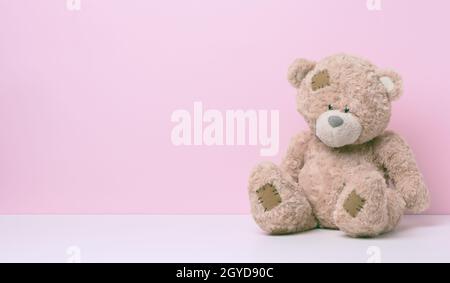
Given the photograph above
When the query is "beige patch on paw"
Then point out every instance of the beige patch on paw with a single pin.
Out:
(354, 203)
(268, 197)
(320, 80)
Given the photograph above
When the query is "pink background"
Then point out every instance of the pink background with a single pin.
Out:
(86, 97)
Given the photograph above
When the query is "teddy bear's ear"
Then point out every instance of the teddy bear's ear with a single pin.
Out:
(392, 82)
(298, 71)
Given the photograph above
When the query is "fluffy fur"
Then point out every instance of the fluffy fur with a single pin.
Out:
(362, 188)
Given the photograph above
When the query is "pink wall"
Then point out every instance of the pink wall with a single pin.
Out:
(86, 96)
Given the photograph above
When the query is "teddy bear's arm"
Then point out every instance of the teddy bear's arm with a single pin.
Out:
(294, 159)
(394, 154)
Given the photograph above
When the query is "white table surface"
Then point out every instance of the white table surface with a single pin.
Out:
(208, 238)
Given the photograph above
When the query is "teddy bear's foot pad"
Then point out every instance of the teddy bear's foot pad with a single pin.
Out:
(278, 205)
(362, 209)
(268, 197)
(354, 203)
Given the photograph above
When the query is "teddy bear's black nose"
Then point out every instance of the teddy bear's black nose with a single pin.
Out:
(335, 121)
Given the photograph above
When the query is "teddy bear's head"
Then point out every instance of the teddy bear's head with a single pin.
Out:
(344, 99)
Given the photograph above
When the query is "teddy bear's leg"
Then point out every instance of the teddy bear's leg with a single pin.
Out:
(367, 207)
(278, 204)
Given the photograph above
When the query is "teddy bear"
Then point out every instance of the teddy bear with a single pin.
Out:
(347, 172)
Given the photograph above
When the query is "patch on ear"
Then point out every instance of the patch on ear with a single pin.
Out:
(388, 83)
(392, 82)
(298, 71)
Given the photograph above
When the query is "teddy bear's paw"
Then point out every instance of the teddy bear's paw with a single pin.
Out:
(362, 207)
(267, 188)
(278, 204)
(265, 183)
(268, 197)
(276, 215)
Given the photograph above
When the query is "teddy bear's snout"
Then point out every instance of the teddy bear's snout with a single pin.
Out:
(335, 128)
(335, 121)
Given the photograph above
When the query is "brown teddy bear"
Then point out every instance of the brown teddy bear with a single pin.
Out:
(347, 173)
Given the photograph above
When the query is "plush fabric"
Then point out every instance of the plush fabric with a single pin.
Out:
(347, 172)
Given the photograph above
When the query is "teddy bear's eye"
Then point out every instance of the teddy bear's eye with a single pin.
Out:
(330, 107)
(346, 109)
